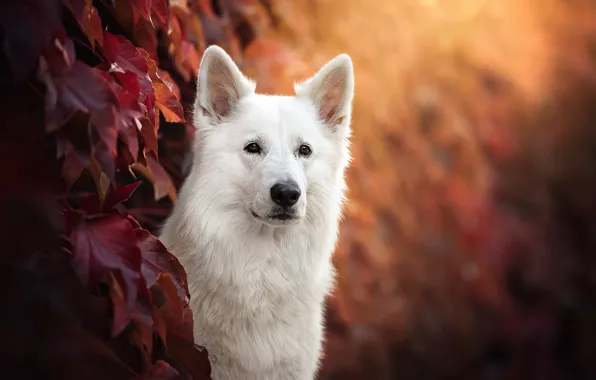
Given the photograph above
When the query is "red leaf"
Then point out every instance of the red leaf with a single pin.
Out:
(73, 143)
(125, 57)
(130, 110)
(130, 83)
(147, 8)
(80, 88)
(106, 147)
(92, 25)
(181, 4)
(143, 7)
(142, 315)
(194, 358)
(77, 7)
(92, 204)
(126, 14)
(167, 101)
(165, 98)
(154, 172)
(160, 10)
(192, 59)
(119, 195)
(157, 260)
(59, 56)
(105, 245)
(161, 371)
(145, 37)
(88, 18)
(121, 314)
(149, 133)
(173, 309)
(102, 182)
(73, 165)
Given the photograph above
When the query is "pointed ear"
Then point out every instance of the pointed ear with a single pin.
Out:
(331, 90)
(220, 85)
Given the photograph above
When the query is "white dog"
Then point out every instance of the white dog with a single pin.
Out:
(256, 222)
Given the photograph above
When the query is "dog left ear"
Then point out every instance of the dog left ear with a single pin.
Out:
(220, 84)
(331, 90)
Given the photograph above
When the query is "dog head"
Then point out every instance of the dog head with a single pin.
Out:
(277, 158)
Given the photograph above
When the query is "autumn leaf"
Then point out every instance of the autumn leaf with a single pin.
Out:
(145, 37)
(251, 13)
(129, 111)
(121, 313)
(161, 371)
(93, 205)
(167, 102)
(196, 34)
(143, 8)
(179, 4)
(149, 133)
(126, 14)
(160, 9)
(165, 96)
(124, 58)
(72, 86)
(145, 323)
(130, 89)
(157, 260)
(73, 143)
(104, 245)
(88, 18)
(167, 79)
(192, 59)
(123, 55)
(154, 172)
(102, 182)
(105, 148)
(194, 358)
(73, 165)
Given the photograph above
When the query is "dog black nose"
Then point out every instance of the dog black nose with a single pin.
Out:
(285, 194)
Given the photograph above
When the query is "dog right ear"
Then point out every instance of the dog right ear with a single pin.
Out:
(220, 85)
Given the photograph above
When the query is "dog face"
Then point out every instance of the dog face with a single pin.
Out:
(276, 158)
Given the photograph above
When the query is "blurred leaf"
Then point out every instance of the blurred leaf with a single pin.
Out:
(146, 37)
(154, 172)
(88, 18)
(103, 245)
(162, 371)
(28, 27)
(157, 260)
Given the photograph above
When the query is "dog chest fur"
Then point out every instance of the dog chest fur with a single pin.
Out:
(260, 316)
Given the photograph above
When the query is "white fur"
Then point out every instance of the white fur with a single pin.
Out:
(257, 284)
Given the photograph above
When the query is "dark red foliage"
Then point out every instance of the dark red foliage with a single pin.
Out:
(95, 125)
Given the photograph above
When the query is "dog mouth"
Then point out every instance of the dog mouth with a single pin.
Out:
(278, 216)
(282, 216)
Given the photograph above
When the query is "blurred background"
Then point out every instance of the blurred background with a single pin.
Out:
(468, 250)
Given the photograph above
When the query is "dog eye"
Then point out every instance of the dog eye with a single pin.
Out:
(253, 148)
(304, 150)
